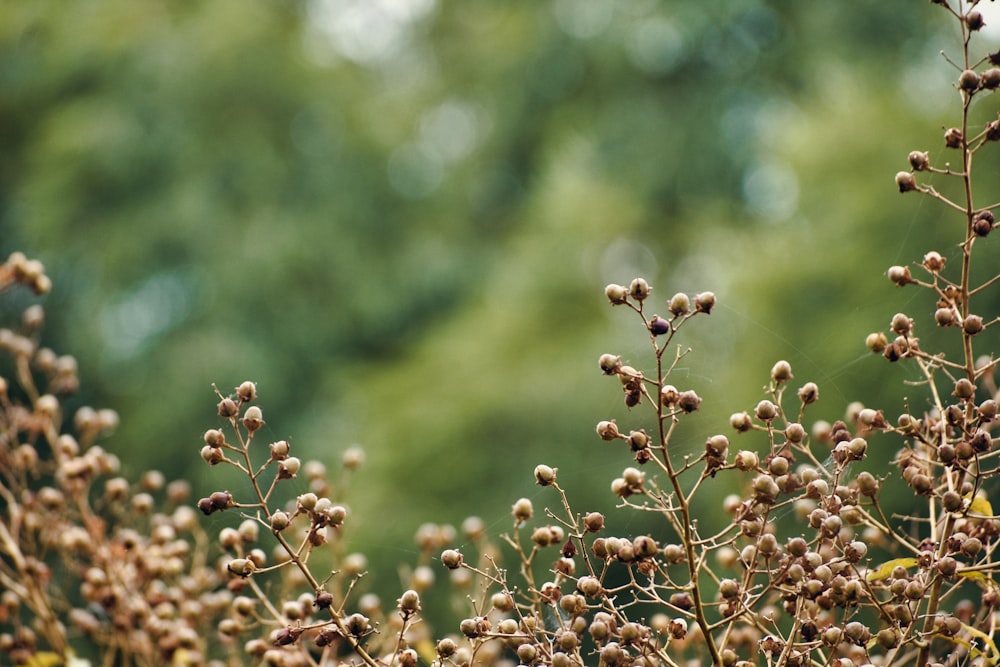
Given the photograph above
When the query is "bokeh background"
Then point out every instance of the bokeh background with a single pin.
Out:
(398, 218)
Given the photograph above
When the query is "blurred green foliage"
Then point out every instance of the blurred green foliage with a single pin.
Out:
(398, 217)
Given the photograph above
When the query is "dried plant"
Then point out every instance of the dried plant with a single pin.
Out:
(810, 559)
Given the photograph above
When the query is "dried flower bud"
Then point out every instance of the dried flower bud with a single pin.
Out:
(740, 421)
(944, 317)
(704, 302)
(289, 468)
(933, 261)
(608, 430)
(279, 450)
(746, 460)
(639, 289)
(974, 20)
(214, 438)
(279, 521)
(228, 408)
(765, 411)
(610, 363)
(876, 342)
(901, 324)
(905, 181)
(241, 567)
(968, 80)
(981, 227)
(680, 304)
(953, 138)
(253, 418)
(617, 294)
(991, 78)
(808, 393)
(212, 455)
(919, 160)
(545, 475)
(522, 510)
(408, 603)
(247, 391)
(972, 324)
(900, 275)
(688, 401)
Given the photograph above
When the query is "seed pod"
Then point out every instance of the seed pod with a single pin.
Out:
(704, 302)
(617, 294)
(953, 138)
(253, 418)
(905, 181)
(658, 326)
(919, 160)
(545, 475)
(765, 411)
(781, 372)
(451, 559)
(610, 363)
(639, 289)
(968, 80)
(900, 275)
(680, 304)
(522, 510)
(608, 430)
(740, 421)
(972, 324)
(808, 393)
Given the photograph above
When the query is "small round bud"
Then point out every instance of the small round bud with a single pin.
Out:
(593, 522)
(964, 389)
(766, 411)
(746, 460)
(214, 438)
(408, 603)
(900, 275)
(241, 567)
(991, 78)
(974, 19)
(617, 294)
(781, 372)
(808, 393)
(522, 510)
(933, 261)
(968, 80)
(740, 421)
(638, 440)
(901, 324)
(610, 363)
(795, 432)
(982, 223)
(953, 138)
(972, 324)
(688, 401)
(944, 317)
(289, 468)
(451, 558)
(279, 450)
(905, 181)
(608, 430)
(228, 408)
(212, 455)
(919, 160)
(253, 418)
(279, 521)
(247, 391)
(704, 302)
(658, 326)
(680, 304)
(876, 342)
(545, 475)
(639, 289)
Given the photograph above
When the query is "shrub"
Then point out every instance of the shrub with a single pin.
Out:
(805, 562)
